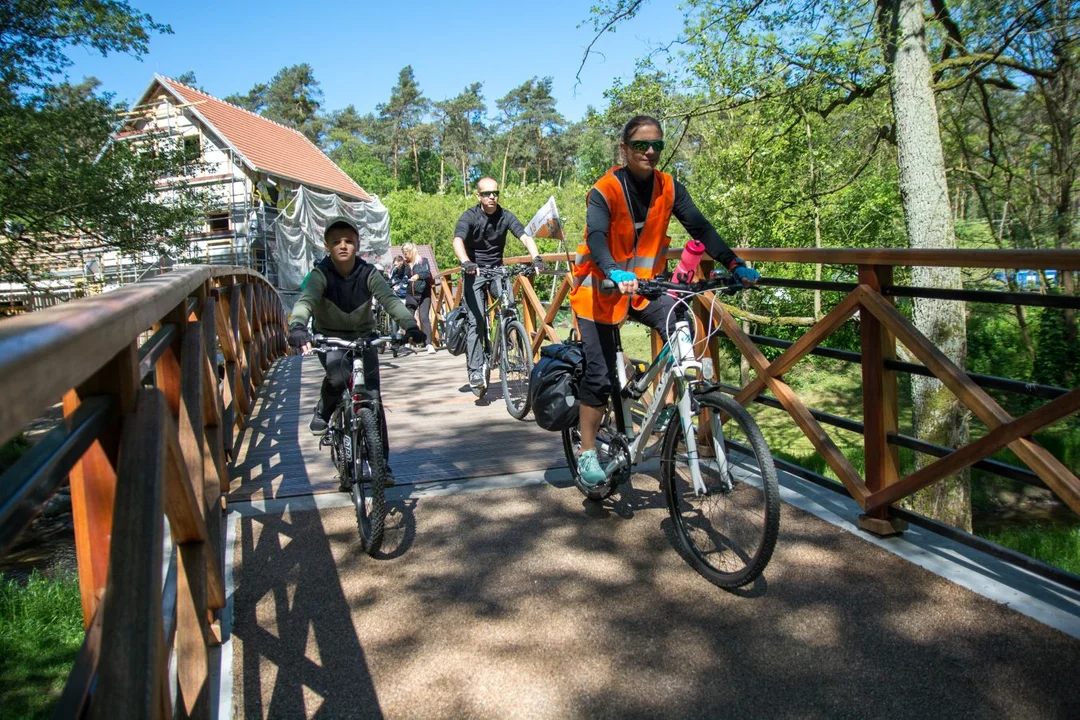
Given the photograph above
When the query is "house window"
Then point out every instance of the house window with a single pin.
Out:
(219, 221)
(191, 148)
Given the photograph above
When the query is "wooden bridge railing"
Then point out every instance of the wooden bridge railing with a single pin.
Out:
(881, 325)
(148, 429)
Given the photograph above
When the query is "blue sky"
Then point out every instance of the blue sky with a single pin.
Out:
(357, 49)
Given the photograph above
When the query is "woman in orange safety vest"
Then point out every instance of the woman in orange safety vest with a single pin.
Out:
(626, 238)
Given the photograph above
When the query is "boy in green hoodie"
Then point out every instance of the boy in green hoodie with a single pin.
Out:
(336, 297)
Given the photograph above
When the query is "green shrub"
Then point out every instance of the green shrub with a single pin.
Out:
(12, 450)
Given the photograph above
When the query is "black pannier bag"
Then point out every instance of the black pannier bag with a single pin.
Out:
(553, 385)
(454, 330)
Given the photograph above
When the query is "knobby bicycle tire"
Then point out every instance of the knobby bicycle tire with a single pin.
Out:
(368, 455)
(729, 550)
(515, 366)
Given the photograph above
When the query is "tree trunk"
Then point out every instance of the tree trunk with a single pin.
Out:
(938, 416)
(539, 153)
(817, 214)
(394, 151)
(464, 177)
(442, 173)
(416, 164)
(506, 154)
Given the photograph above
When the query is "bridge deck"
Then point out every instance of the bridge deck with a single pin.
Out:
(529, 601)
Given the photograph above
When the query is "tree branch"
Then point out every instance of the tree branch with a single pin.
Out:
(626, 12)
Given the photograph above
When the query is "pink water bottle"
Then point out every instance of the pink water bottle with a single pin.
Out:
(691, 258)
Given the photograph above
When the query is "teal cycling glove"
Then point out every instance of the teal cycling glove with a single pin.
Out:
(749, 274)
(620, 276)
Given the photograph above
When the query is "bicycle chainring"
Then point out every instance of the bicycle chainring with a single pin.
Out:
(619, 447)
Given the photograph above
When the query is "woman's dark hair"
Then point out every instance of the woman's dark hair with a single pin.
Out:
(639, 121)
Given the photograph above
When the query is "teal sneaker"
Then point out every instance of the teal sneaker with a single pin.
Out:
(589, 468)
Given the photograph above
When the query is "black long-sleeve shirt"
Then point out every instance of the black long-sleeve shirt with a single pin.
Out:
(598, 220)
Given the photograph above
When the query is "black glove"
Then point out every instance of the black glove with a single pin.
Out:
(538, 264)
(298, 336)
(415, 335)
(468, 267)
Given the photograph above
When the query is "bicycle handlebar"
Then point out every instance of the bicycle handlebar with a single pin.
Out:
(652, 289)
(509, 270)
(323, 343)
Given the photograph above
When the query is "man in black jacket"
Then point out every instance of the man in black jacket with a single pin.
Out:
(479, 242)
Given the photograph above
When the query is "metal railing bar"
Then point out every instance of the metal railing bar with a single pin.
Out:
(808, 284)
(1000, 297)
(34, 477)
(1048, 392)
(991, 466)
(827, 418)
(152, 350)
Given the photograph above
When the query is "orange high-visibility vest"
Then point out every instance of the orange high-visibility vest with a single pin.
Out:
(646, 259)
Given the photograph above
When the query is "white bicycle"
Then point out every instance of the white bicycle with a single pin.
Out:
(717, 472)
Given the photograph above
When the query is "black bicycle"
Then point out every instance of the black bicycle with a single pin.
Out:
(355, 439)
(507, 342)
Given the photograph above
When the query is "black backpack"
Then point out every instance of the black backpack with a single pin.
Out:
(553, 385)
(454, 330)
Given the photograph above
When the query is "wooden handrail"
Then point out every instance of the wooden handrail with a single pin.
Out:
(158, 453)
(898, 257)
(43, 354)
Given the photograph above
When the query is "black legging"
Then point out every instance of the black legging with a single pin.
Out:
(601, 344)
(421, 305)
(337, 378)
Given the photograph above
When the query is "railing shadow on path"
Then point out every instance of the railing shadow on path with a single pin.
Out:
(296, 643)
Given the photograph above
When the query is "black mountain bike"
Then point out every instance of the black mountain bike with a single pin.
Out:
(507, 342)
(355, 439)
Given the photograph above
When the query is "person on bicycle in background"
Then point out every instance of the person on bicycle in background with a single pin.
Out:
(479, 242)
(336, 296)
(626, 224)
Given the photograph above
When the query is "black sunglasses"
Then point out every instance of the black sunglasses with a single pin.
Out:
(489, 193)
(644, 145)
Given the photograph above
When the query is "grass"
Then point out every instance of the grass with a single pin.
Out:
(41, 630)
(1058, 545)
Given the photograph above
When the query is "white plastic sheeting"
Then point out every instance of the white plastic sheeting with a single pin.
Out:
(298, 233)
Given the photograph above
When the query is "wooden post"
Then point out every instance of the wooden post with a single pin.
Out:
(880, 414)
(130, 672)
(93, 478)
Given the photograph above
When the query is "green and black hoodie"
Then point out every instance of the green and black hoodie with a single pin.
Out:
(340, 306)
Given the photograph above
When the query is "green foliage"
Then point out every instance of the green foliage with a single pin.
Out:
(995, 344)
(58, 182)
(1057, 359)
(292, 97)
(12, 450)
(41, 630)
(430, 219)
(35, 34)
(359, 162)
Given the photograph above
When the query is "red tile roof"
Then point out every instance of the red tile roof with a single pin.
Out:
(267, 145)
